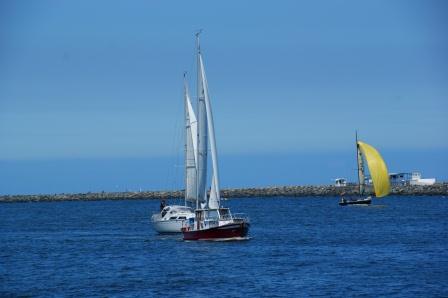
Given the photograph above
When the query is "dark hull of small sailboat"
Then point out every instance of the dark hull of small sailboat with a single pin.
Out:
(228, 232)
(356, 202)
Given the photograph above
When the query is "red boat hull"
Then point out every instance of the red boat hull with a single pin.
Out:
(228, 231)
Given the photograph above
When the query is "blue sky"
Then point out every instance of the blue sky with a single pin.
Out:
(91, 91)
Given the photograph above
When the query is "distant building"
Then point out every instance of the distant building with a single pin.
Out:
(414, 178)
(340, 182)
(400, 178)
(417, 179)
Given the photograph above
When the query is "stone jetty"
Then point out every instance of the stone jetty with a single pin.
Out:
(438, 189)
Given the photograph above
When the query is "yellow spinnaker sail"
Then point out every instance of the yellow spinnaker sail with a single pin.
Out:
(377, 169)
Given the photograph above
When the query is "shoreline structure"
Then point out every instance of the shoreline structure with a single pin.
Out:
(438, 189)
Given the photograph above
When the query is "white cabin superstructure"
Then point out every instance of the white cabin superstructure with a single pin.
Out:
(171, 218)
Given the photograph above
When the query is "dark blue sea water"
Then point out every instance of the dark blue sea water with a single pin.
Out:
(298, 247)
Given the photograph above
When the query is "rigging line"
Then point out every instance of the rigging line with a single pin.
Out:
(172, 176)
(179, 148)
(193, 62)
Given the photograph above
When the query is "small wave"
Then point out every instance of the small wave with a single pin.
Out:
(227, 239)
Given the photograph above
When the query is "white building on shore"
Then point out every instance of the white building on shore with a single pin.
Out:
(338, 182)
(414, 178)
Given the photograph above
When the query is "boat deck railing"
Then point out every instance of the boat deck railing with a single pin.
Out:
(214, 222)
(240, 217)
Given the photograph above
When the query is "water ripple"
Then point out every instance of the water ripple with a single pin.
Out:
(296, 247)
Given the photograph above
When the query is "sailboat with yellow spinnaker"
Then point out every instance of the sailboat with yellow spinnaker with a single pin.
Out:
(377, 168)
(378, 173)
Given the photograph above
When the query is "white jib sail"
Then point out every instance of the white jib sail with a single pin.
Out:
(213, 202)
(214, 199)
(190, 149)
(193, 128)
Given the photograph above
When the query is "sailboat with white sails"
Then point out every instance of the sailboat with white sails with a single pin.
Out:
(211, 221)
(378, 172)
(171, 218)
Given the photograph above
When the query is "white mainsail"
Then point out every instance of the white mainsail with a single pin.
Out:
(213, 202)
(202, 136)
(191, 131)
(360, 161)
(361, 176)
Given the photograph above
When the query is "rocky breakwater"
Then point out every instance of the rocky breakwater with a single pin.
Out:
(438, 189)
(93, 196)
